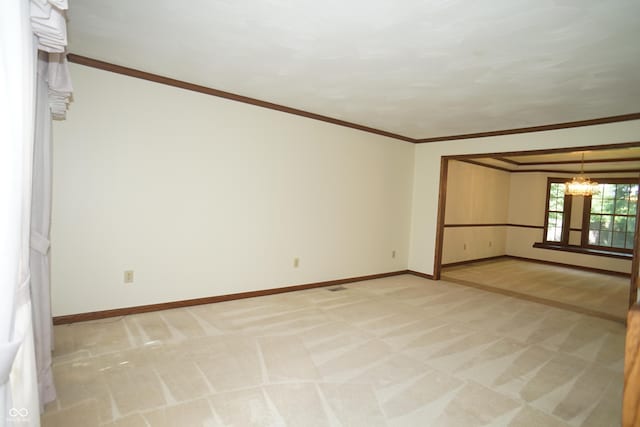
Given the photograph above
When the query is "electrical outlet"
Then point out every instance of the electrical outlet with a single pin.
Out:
(296, 262)
(128, 276)
(490, 243)
(393, 254)
(464, 246)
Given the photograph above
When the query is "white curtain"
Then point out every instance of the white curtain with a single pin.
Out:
(26, 27)
(18, 387)
(39, 242)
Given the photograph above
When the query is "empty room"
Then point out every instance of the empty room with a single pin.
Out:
(319, 214)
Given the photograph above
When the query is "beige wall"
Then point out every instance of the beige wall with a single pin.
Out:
(427, 171)
(202, 196)
(475, 195)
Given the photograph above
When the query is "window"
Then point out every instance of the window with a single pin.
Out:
(555, 230)
(608, 217)
(612, 216)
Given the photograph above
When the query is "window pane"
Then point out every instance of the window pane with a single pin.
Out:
(605, 223)
(622, 191)
(618, 240)
(554, 227)
(556, 197)
(629, 244)
(631, 224)
(620, 224)
(598, 195)
(594, 237)
(594, 222)
(609, 191)
(596, 204)
(557, 204)
(605, 238)
(554, 234)
(622, 206)
(608, 206)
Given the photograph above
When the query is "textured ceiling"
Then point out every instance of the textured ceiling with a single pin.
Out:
(417, 68)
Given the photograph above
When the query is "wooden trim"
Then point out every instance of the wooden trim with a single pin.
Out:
(586, 221)
(570, 162)
(474, 225)
(631, 391)
(545, 151)
(564, 171)
(442, 202)
(504, 159)
(629, 252)
(574, 172)
(577, 267)
(423, 275)
(474, 162)
(94, 315)
(635, 264)
(565, 125)
(131, 72)
(535, 299)
(605, 252)
(139, 74)
(539, 227)
(605, 180)
(545, 226)
(566, 218)
(472, 261)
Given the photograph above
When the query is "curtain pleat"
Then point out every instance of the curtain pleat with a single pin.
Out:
(54, 89)
(39, 241)
(49, 23)
(26, 382)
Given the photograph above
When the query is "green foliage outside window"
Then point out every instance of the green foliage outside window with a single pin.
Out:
(613, 216)
(556, 212)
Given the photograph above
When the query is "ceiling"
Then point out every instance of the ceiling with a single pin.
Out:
(421, 69)
(609, 160)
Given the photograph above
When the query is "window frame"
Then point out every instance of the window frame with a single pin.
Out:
(586, 217)
(566, 213)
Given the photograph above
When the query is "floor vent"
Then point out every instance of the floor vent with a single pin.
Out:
(337, 288)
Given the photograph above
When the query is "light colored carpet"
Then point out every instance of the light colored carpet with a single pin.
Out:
(399, 351)
(592, 292)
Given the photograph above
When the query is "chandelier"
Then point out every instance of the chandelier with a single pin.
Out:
(581, 185)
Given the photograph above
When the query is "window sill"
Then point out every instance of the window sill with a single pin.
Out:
(581, 250)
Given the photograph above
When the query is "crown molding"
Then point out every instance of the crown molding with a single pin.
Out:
(132, 72)
(565, 125)
(139, 74)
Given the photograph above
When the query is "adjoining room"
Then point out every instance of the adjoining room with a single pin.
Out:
(512, 226)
